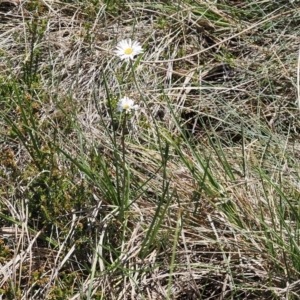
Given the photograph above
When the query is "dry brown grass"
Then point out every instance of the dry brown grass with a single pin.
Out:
(217, 84)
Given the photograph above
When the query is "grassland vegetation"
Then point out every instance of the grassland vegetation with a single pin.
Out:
(168, 171)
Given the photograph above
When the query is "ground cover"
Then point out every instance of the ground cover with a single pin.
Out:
(194, 195)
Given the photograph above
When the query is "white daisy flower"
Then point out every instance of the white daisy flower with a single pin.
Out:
(128, 49)
(126, 104)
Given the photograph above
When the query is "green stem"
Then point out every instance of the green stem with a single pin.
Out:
(123, 163)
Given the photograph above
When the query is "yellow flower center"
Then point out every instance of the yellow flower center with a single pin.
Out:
(128, 51)
(126, 106)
